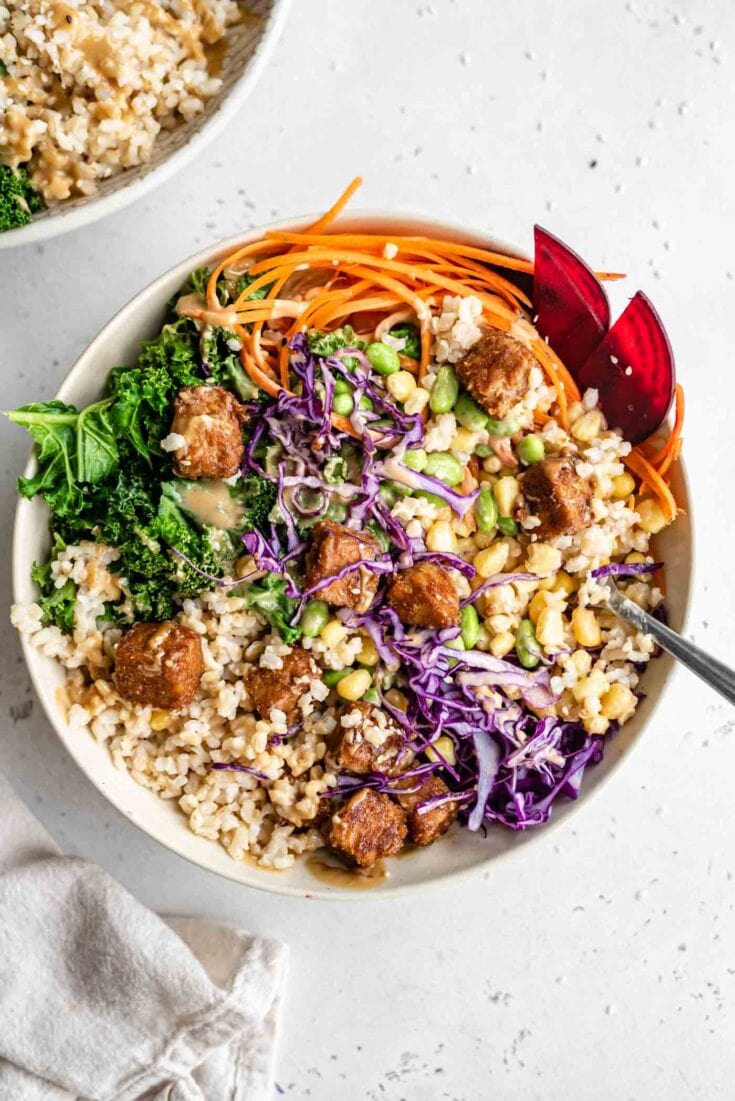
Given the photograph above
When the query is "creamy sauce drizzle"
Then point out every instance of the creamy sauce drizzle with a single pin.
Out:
(324, 866)
(211, 503)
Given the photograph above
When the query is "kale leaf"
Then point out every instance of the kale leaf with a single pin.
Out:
(411, 338)
(326, 344)
(268, 596)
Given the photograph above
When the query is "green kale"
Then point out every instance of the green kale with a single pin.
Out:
(222, 362)
(57, 605)
(268, 596)
(3, 69)
(326, 344)
(18, 198)
(259, 497)
(411, 338)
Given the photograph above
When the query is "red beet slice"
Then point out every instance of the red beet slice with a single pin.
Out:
(572, 310)
(633, 369)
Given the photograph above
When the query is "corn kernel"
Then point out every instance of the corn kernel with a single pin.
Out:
(463, 440)
(542, 558)
(592, 686)
(500, 623)
(444, 746)
(564, 583)
(618, 702)
(581, 661)
(492, 464)
(550, 628)
(354, 685)
(368, 654)
(502, 644)
(401, 385)
(541, 600)
(506, 492)
(635, 557)
(418, 400)
(596, 724)
(651, 516)
(397, 699)
(440, 537)
(588, 427)
(623, 486)
(159, 720)
(332, 633)
(490, 561)
(586, 628)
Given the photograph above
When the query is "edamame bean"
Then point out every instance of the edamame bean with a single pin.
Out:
(486, 510)
(454, 644)
(444, 391)
(342, 386)
(445, 466)
(483, 451)
(506, 427)
(507, 525)
(343, 404)
(469, 414)
(391, 491)
(314, 617)
(527, 648)
(383, 358)
(531, 450)
(415, 459)
(332, 677)
(470, 625)
(372, 695)
(365, 403)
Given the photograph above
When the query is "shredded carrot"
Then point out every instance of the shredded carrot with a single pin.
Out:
(648, 474)
(662, 456)
(334, 211)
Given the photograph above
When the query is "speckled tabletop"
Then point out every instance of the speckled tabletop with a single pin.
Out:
(600, 964)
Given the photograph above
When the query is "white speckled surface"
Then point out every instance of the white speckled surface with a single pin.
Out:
(601, 964)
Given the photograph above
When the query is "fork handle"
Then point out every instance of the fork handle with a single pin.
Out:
(713, 672)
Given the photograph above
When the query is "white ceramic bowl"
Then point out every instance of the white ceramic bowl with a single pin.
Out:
(460, 851)
(249, 46)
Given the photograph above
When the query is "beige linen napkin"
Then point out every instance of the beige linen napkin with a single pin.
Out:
(101, 999)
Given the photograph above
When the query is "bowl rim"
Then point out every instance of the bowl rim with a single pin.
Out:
(265, 880)
(96, 207)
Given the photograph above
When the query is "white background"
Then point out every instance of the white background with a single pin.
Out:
(600, 964)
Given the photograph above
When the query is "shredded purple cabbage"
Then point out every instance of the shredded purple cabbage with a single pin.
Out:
(625, 569)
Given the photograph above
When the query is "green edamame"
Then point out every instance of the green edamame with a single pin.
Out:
(506, 427)
(527, 647)
(383, 358)
(483, 451)
(336, 511)
(507, 525)
(432, 498)
(314, 616)
(332, 677)
(445, 466)
(486, 510)
(415, 459)
(531, 450)
(342, 386)
(470, 625)
(372, 695)
(469, 414)
(444, 392)
(343, 404)
(365, 403)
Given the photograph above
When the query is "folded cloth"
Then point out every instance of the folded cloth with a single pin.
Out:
(102, 999)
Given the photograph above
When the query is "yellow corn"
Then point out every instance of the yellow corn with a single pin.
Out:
(368, 654)
(159, 720)
(542, 558)
(444, 746)
(418, 400)
(354, 685)
(635, 557)
(596, 724)
(401, 385)
(618, 702)
(506, 492)
(462, 440)
(550, 628)
(593, 685)
(332, 633)
(651, 516)
(502, 644)
(564, 583)
(623, 486)
(491, 560)
(440, 536)
(539, 602)
(582, 662)
(586, 628)
(588, 427)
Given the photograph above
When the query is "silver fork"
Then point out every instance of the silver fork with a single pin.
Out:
(707, 668)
